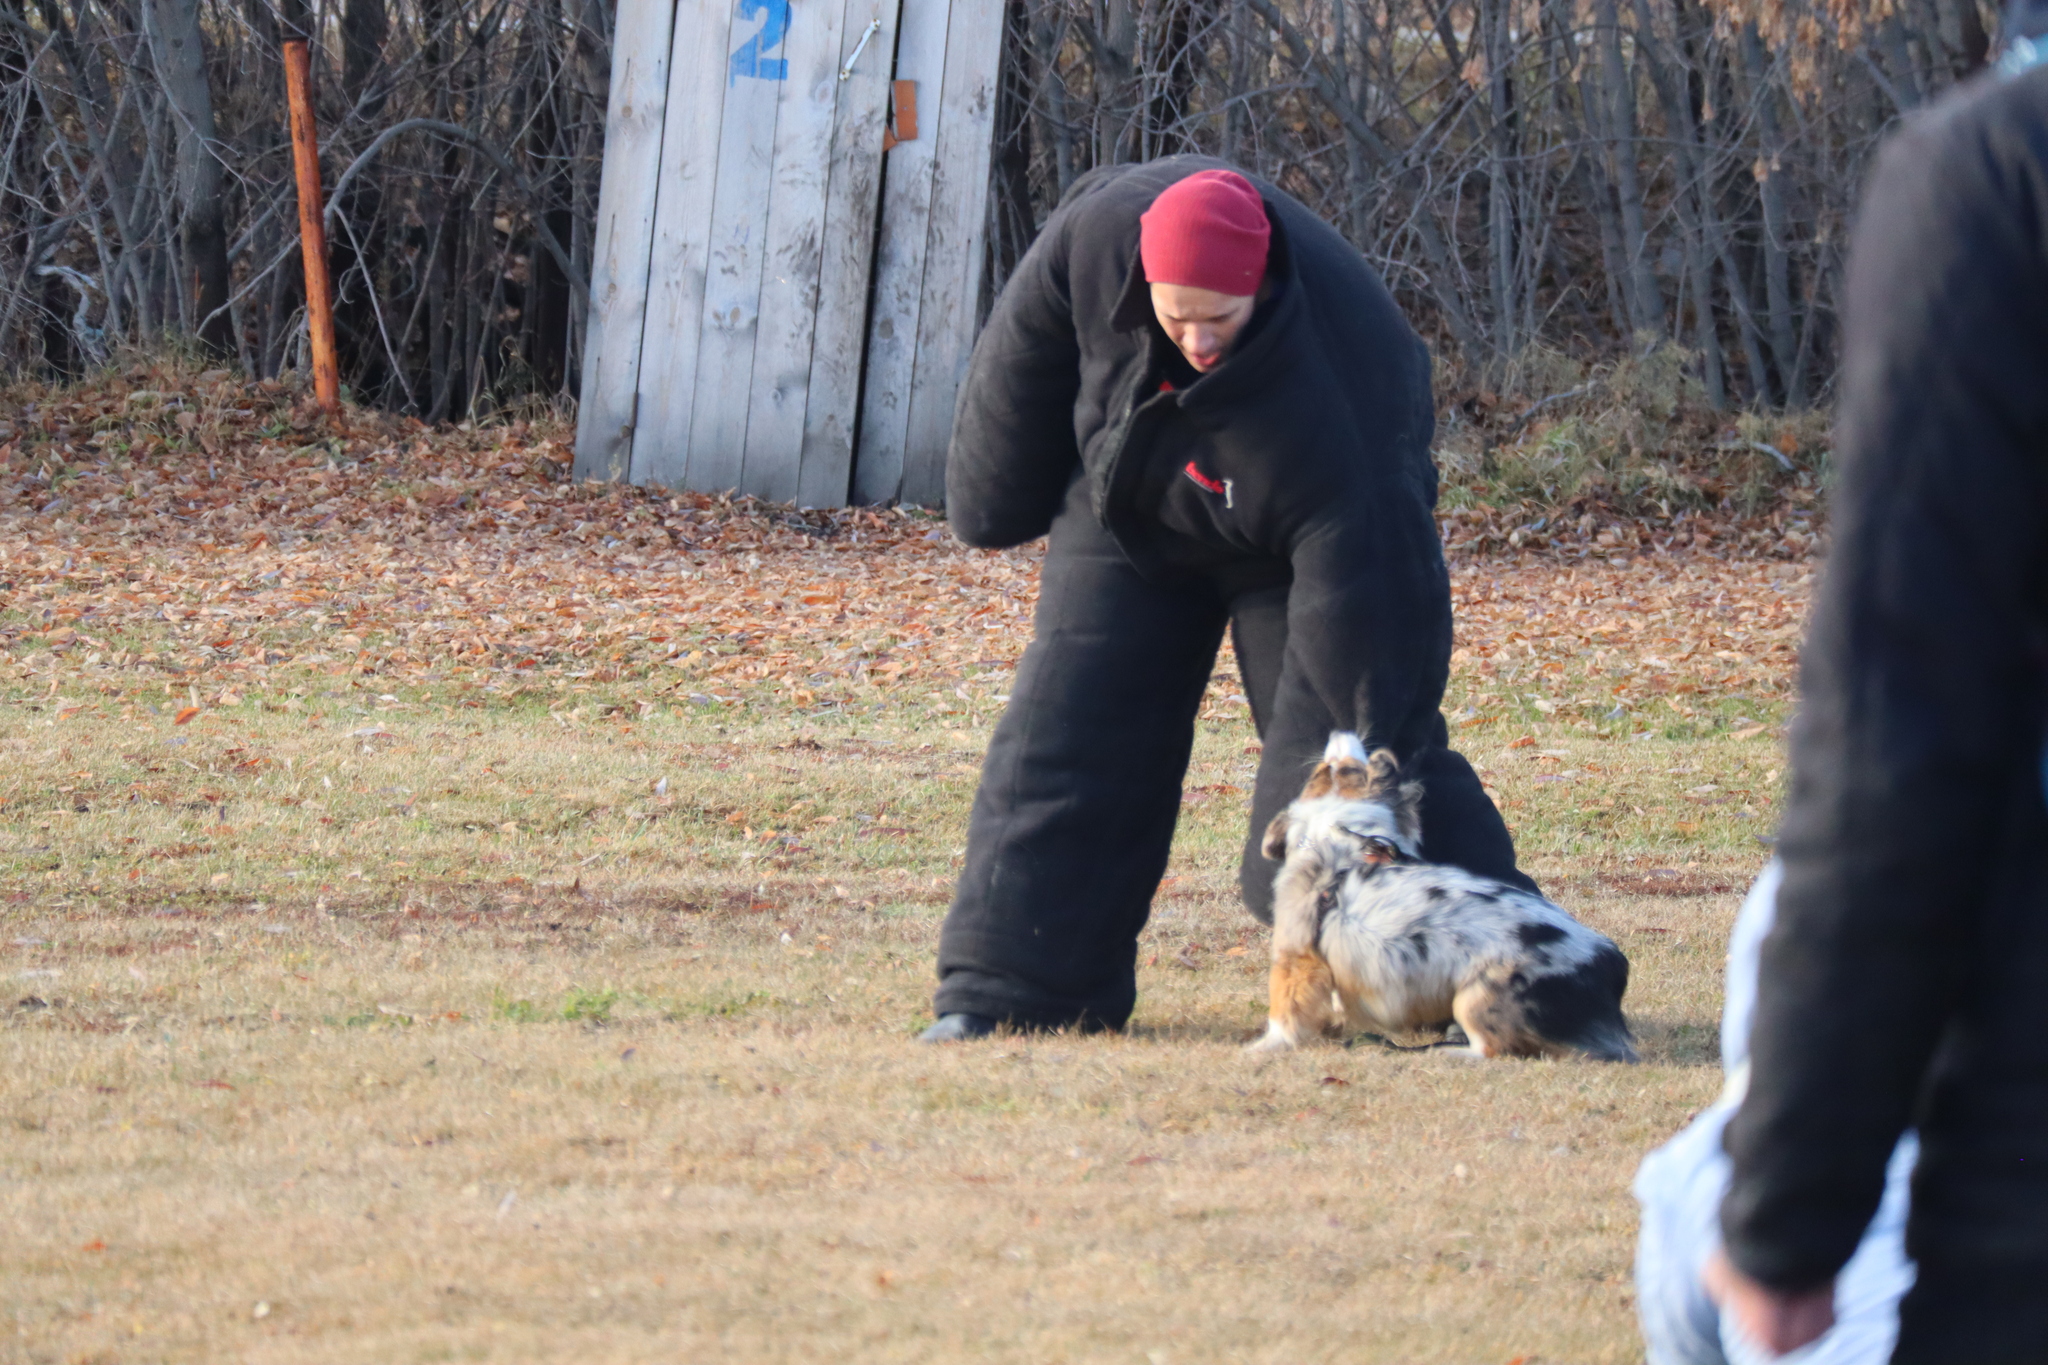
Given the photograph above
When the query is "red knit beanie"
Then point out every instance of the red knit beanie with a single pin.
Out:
(1208, 231)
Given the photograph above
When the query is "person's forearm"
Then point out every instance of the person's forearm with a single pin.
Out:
(1013, 450)
(1370, 614)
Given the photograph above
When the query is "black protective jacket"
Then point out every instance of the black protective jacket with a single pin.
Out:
(1304, 455)
(1906, 980)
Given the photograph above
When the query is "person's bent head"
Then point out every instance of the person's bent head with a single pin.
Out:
(1203, 248)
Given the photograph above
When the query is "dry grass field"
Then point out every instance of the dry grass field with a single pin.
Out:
(419, 998)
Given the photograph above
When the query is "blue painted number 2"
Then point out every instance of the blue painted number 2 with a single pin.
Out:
(752, 59)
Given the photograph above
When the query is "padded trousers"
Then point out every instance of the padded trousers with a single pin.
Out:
(1081, 786)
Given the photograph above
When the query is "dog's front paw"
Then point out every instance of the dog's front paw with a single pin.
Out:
(1275, 1039)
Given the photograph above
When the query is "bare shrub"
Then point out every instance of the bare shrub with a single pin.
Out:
(1543, 182)
(148, 195)
(1534, 179)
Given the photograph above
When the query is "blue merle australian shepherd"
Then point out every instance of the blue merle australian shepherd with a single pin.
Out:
(1362, 925)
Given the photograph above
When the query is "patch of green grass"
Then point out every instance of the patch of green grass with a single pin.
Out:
(724, 1006)
(516, 1011)
(589, 1006)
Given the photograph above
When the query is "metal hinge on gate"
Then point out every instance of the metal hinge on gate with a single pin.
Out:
(903, 115)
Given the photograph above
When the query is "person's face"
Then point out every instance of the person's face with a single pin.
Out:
(1201, 322)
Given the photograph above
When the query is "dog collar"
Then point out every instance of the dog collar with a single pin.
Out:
(1382, 852)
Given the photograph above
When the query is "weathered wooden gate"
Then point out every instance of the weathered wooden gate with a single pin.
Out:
(756, 242)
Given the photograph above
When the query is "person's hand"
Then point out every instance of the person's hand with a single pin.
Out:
(1777, 1321)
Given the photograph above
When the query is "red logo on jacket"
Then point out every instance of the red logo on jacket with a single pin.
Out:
(1223, 486)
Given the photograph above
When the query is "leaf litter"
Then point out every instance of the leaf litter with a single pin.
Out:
(253, 545)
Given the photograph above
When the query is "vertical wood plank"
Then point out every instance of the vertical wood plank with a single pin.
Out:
(900, 265)
(949, 310)
(625, 227)
(793, 251)
(732, 280)
(849, 256)
(675, 267)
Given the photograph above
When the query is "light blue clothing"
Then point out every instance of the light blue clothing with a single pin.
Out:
(1680, 1185)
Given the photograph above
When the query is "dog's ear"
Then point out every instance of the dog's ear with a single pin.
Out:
(1275, 846)
(1382, 772)
(1408, 811)
(1320, 783)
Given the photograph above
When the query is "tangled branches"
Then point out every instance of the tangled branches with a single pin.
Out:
(146, 190)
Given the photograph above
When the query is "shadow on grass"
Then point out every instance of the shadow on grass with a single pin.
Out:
(1662, 1041)
(1677, 1042)
(1195, 1029)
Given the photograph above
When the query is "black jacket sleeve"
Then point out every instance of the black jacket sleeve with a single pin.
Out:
(1920, 713)
(1014, 448)
(1369, 615)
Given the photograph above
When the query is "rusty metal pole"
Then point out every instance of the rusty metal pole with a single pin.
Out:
(312, 228)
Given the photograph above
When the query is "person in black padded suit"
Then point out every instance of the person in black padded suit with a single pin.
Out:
(1905, 982)
(1215, 408)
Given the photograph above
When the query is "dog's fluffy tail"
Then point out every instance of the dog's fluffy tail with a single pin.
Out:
(1343, 744)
